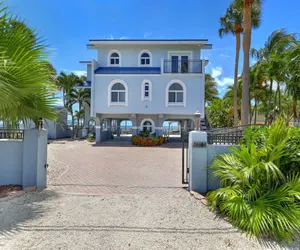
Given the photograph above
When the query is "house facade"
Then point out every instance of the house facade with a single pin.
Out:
(147, 82)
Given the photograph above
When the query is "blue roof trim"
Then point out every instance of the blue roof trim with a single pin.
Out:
(127, 70)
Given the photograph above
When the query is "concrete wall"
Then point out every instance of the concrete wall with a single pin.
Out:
(11, 162)
(212, 152)
(23, 161)
(201, 179)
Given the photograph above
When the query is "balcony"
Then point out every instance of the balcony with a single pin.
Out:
(182, 66)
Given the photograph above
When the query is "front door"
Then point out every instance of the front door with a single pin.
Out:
(180, 63)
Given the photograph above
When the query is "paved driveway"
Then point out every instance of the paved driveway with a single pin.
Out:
(114, 198)
(118, 168)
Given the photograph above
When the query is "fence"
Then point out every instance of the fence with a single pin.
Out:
(227, 136)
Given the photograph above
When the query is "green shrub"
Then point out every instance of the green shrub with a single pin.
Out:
(257, 195)
(91, 137)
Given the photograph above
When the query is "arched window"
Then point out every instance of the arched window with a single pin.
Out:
(146, 90)
(176, 95)
(145, 58)
(147, 125)
(117, 93)
(114, 58)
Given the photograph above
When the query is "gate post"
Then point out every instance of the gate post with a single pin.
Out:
(198, 161)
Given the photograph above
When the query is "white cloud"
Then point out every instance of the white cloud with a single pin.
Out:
(224, 55)
(79, 72)
(124, 37)
(216, 72)
(222, 82)
(147, 34)
(109, 36)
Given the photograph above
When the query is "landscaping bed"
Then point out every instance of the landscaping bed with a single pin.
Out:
(145, 139)
(8, 190)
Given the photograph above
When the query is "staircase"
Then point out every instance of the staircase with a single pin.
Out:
(204, 124)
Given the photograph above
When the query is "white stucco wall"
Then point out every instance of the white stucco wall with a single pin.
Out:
(157, 105)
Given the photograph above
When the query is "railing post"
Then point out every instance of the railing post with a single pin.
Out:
(162, 66)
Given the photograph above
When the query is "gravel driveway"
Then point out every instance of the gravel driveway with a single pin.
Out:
(144, 220)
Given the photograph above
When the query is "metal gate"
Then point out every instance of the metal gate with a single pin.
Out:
(185, 156)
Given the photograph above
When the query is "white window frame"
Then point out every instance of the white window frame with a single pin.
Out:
(109, 57)
(176, 104)
(147, 120)
(140, 57)
(112, 83)
(146, 98)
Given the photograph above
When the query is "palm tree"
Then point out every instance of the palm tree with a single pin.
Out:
(66, 83)
(271, 59)
(232, 23)
(293, 83)
(211, 91)
(80, 96)
(249, 5)
(26, 81)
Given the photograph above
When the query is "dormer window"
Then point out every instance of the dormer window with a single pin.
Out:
(114, 58)
(145, 58)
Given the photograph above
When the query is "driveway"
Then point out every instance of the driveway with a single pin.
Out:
(114, 197)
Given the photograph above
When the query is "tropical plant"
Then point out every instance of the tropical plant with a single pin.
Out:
(219, 114)
(232, 23)
(273, 61)
(248, 7)
(211, 91)
(259, 194)
(26, 80)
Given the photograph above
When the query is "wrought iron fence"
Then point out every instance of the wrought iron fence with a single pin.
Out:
(182, 66)
(11, 134)
(228, 136)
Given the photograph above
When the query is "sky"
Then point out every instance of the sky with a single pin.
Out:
(67, 25)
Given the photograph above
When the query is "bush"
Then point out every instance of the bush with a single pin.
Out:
(147, 142)
(91, 137)
(258, 194)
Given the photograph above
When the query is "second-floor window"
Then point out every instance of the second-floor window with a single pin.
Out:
(145, 58)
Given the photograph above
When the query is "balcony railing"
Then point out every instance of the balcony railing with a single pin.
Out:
(183, 66)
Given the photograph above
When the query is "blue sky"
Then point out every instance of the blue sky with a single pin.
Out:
(67, 25)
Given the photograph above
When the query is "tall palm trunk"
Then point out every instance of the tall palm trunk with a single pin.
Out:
(235, 86)
(255, 111)
(279, 96)
(246, 48)
(270, 99)
(295, 109)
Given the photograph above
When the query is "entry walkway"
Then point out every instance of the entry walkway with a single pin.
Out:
(117, 167)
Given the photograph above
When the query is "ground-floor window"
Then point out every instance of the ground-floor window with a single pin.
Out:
(147, 126)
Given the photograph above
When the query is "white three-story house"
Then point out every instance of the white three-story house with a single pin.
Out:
(147, 82)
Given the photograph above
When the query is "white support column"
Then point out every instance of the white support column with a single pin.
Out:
(197, 161)
(98, 133)
(162, 66)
